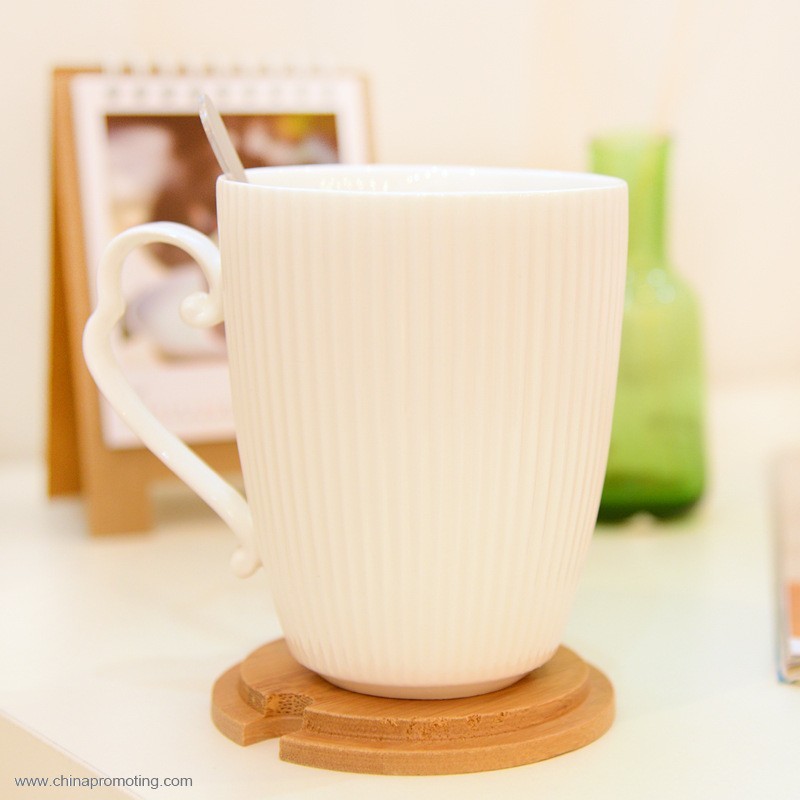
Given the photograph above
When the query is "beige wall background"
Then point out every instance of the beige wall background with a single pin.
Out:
(504, 82)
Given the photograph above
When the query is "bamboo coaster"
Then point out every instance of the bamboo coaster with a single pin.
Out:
(559, 707)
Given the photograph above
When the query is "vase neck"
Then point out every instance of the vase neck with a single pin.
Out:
(640, 160)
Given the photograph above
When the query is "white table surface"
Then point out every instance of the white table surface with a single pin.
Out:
(109, 647)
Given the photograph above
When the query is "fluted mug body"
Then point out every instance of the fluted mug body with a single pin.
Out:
(423, 363)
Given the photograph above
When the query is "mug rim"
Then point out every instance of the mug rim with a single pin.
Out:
(387, 180)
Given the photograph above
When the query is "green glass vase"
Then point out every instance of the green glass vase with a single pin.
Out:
(656, 462)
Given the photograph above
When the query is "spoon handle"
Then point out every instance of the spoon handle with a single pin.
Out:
(220, 141)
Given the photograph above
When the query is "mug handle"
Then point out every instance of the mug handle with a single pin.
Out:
(200, 309)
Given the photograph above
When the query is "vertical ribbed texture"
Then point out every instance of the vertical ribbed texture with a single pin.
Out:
(423, 390)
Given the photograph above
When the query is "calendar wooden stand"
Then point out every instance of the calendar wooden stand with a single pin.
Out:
(88, 454)
(562, 706)
(114, 483)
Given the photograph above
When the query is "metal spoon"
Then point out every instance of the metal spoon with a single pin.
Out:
(220, 141)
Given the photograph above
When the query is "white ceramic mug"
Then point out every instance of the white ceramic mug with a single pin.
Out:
(423, 364)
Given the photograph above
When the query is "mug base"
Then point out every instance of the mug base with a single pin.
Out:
(444, 692)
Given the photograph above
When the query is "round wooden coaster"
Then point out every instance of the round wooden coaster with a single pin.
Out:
(559, 707)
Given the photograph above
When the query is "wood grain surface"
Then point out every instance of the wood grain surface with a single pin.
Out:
(563, 705)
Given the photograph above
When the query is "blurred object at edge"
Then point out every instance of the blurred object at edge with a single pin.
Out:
(656, 461)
